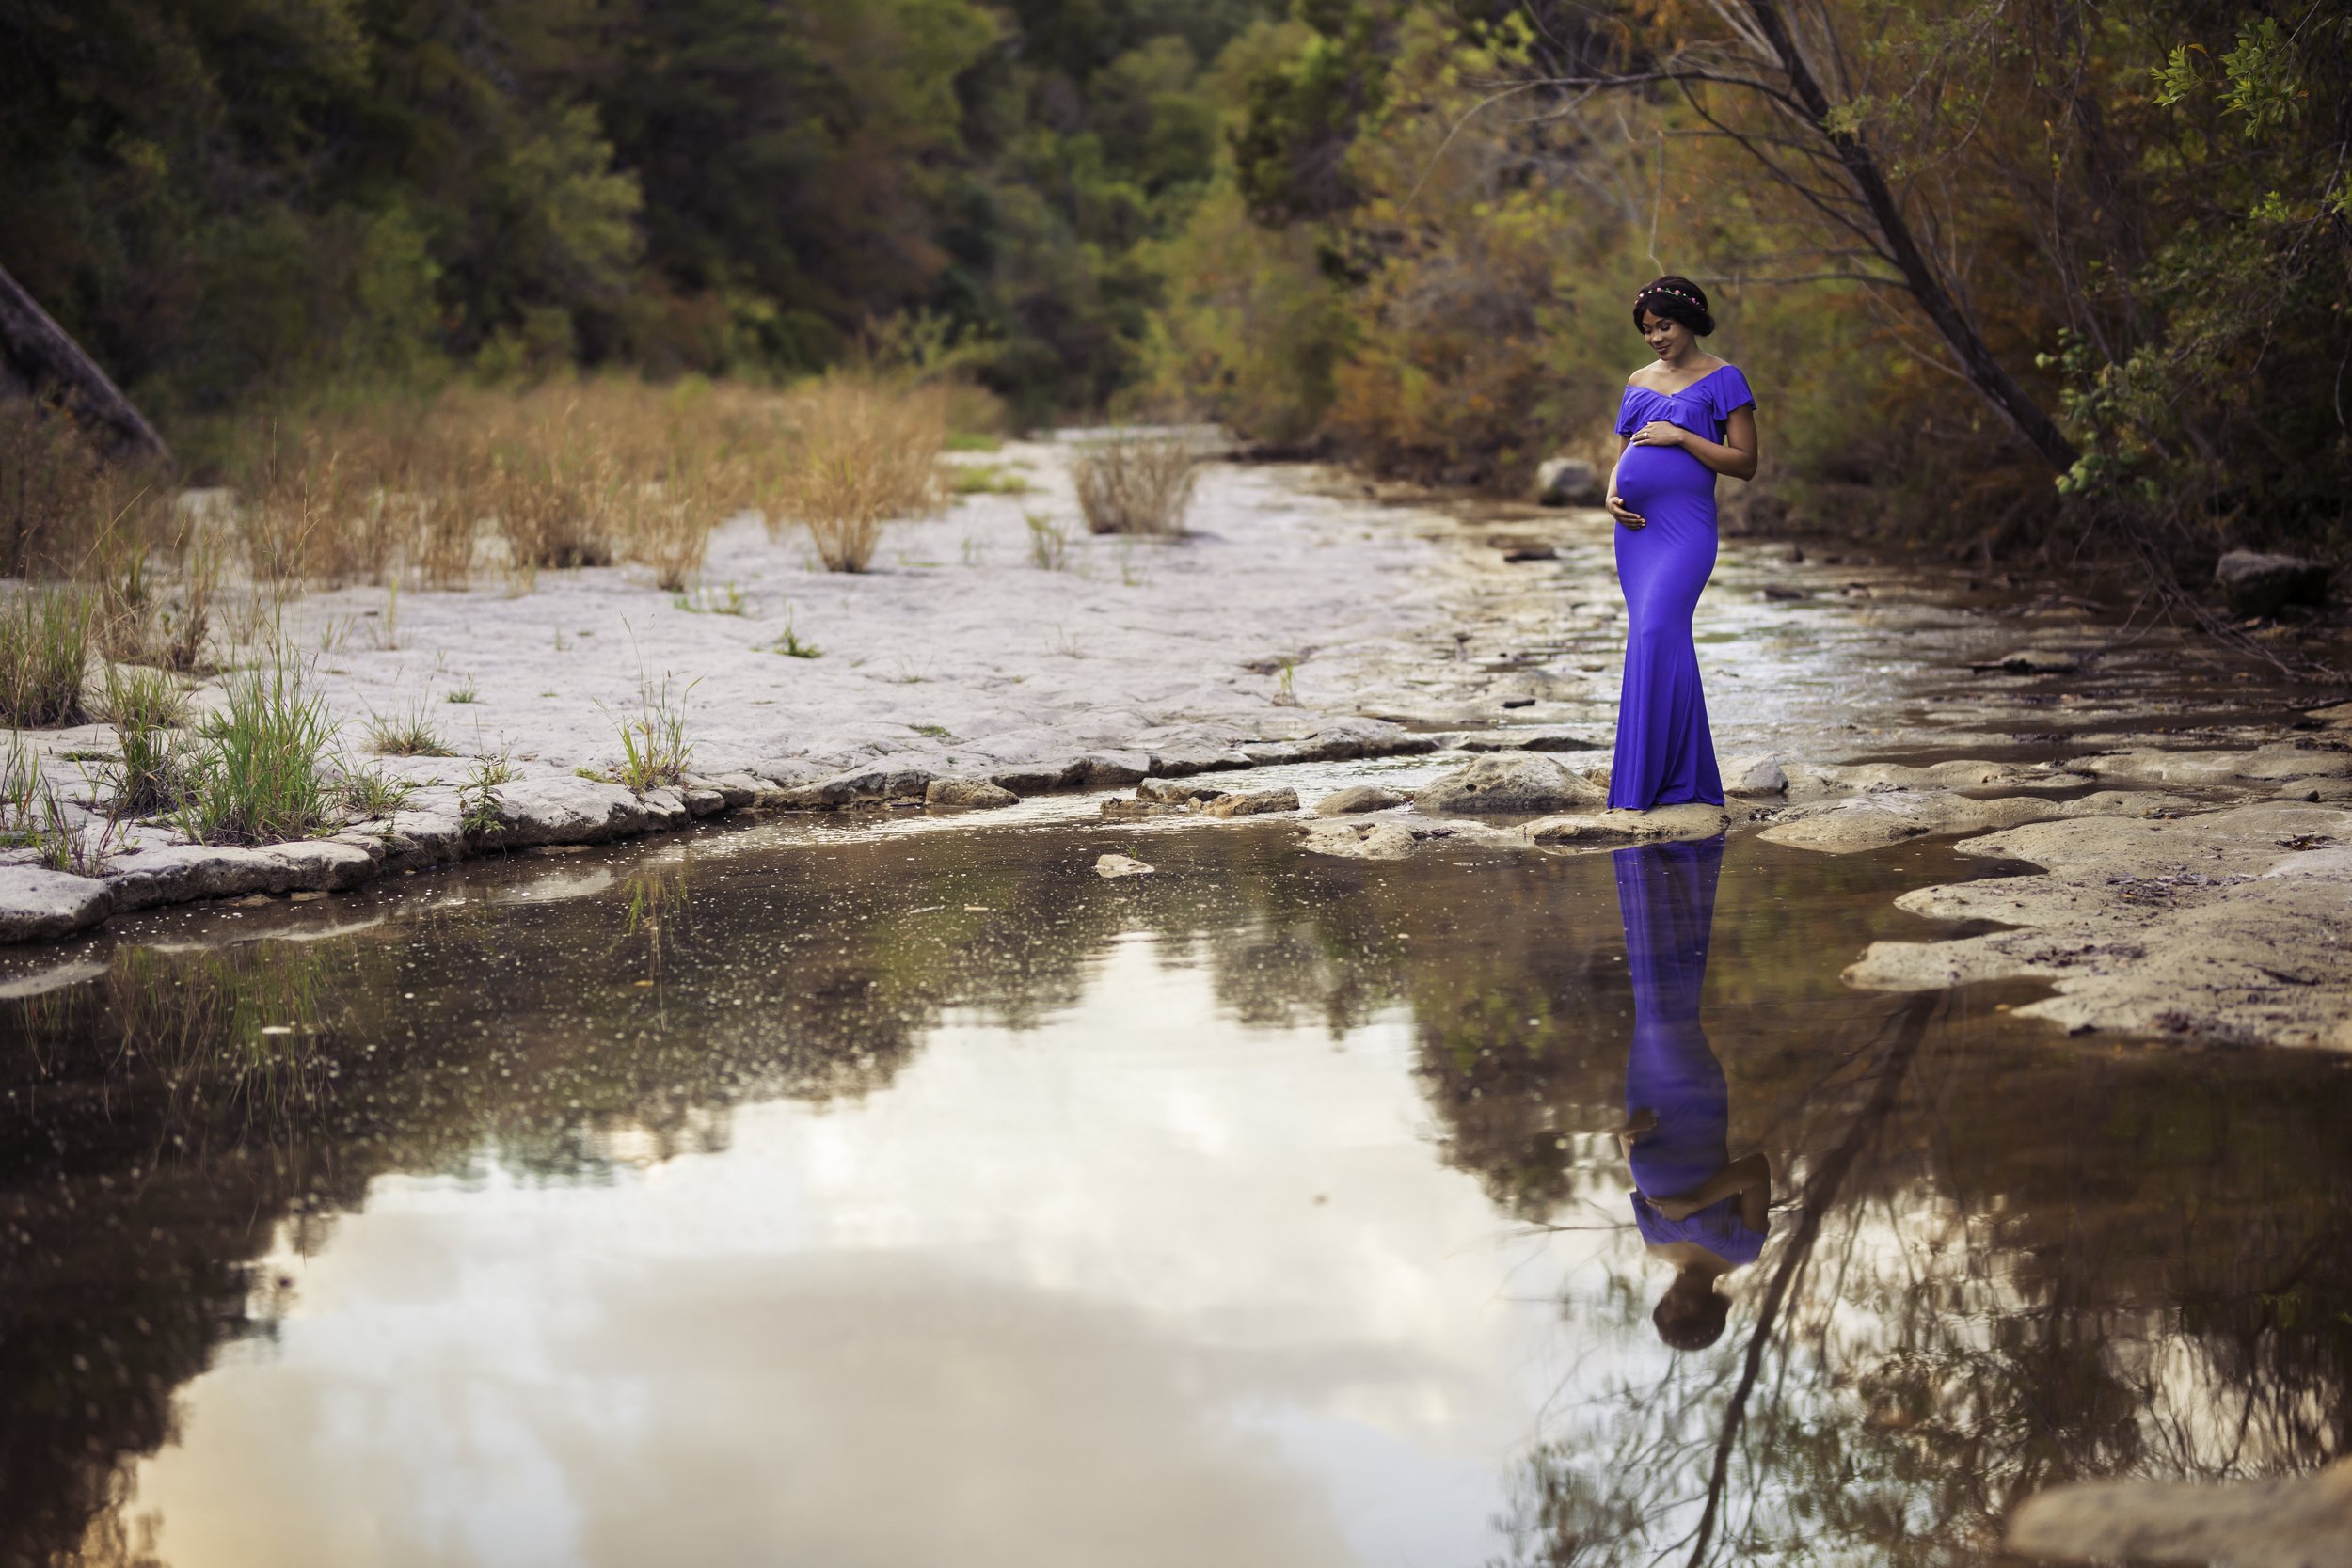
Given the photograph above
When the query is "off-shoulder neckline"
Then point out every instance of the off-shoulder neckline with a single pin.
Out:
(1679, 391)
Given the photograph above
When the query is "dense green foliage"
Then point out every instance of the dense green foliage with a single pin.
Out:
(231, 198)
(1409, 231)
(2139, 210)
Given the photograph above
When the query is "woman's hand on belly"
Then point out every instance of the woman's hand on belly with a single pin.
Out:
(1658, 432)
(1625, 516)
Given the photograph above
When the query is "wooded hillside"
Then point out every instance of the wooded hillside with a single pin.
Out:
(2013, 275)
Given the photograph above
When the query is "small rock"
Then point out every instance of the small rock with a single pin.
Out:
(1755, 776)
(1121, 866)
(1040, 778)
(1255, 803)
(703, 801)
(1170, 792)
(1359, 841)
(2337, 717)
(2031, 661)
(2257, 584)
(966, 795)
(1782, 592)
(1520, 554)
(1136, 811)
(1361, 797)
(1516, 782)
(1567, 482)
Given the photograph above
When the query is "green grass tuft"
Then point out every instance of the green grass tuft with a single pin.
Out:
(406, 735)
(258, 775)
(155, 772)
(44, 653)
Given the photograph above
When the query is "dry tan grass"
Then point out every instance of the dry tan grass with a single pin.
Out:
(58, 500)
(574, 471)
(863, 452)
(1133, 482)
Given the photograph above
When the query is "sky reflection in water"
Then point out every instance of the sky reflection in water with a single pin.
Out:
(923, 1198)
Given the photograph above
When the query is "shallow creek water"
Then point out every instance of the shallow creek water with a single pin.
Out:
(808, 1194)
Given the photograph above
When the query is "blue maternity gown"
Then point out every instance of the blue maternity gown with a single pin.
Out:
(1666, 896)
(1665, 755)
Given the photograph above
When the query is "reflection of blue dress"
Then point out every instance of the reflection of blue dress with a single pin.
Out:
(1666, 896)
(1665, 755)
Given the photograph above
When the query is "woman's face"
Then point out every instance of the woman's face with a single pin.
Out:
(1668, 339)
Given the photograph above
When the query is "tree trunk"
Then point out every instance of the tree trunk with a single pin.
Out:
(35, 351)
(1958, 333)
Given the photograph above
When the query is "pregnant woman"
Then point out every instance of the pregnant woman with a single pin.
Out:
(1685, 419)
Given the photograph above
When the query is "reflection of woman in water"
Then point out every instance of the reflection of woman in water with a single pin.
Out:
(1696, 1206)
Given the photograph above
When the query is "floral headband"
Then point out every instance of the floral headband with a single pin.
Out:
(1668, 289)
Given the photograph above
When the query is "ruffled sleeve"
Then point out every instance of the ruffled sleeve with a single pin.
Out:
(1627, 423)
(1729, 391)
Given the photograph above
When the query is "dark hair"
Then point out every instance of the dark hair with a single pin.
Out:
(1677, 299)
(1687, 1324)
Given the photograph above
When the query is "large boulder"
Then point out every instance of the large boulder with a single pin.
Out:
(2258, 584)
(1512, 783)
(1569, 482)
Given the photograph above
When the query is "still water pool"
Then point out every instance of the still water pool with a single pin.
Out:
(806, 1195)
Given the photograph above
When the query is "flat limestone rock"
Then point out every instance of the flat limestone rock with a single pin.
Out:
(1113, 770)
(967, 795)
(1121, 866)
(1874, 821)
(571, 810)
(40, 905)
(176, 874)
(876, 784)
(1256, 802)
(1863, 777)
(1359, 841)
(1361, 797)
(1512, 783)
(2300, 1522)
(1693, 820)
(2230, 925)
(2217, 768)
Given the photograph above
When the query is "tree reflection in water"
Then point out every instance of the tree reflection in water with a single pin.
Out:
(2012, 1259)
(2004, 1269)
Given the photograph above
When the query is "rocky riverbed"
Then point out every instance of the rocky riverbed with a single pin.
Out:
(2191, 818)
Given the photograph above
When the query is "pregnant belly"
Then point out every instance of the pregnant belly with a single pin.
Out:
(1662, 473)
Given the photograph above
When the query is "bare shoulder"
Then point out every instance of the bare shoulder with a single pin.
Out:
(1656, 378)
